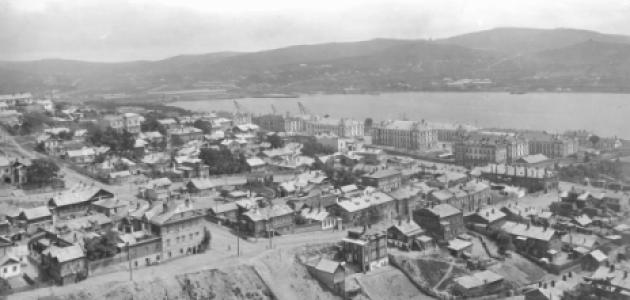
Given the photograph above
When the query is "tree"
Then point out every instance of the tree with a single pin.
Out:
(594, 139)
(275, 141)
(151, 124)
(102, 246)
(41, 172)
(504, 241)
(205, 242)
(223, 161)
(205, 126)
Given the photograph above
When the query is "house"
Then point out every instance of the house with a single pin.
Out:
(64, 264)
(479, 284)
(319, 216)
(368, 207)
(77, 201)
(256, 164)
(533, 240)
(158, 189)
(84, 155)
(10, 267)
(408, 199)
(610, 282)
(206, 185)
(459, 247)
(386, 180)
(444, 222)
(366, 250)
(404, 234)
(180, 227)
(144, 249)
(331, 274)
(574, 240)
(111, 207)
(224, 213)
(270, 219)
(34, 218)
(594, 260)
(486, 219)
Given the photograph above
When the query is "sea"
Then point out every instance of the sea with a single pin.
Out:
(607, 115)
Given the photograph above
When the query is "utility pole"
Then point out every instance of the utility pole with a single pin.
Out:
(238, 238)
(129, 260)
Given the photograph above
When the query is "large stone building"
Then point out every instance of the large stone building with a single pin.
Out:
(490, 147)
(552, 146)
(12, 100)
(341, 127)
(129, 121)
(279, 123)
(409, 135)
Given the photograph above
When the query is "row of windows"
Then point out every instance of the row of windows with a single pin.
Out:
(182, 238)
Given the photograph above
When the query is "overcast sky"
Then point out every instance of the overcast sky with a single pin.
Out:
(116, 30)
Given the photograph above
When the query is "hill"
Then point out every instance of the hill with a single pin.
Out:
(512, 40)
(532, 58)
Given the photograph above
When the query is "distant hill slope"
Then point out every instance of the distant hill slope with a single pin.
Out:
(537, 58)
(511, 40)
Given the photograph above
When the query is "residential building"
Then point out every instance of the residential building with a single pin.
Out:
(443, 221)
(476, 150)
(33, 219)
(331, 274)
(12, 172)
(20, 99)
(366, 207)
(184, 134)
(180, 226)
(540, 242)
(10, 267)
(479, 284)
(408, 135)
(111, 207)
(552, 146)
(132, 122)
(144, 249)
(611, 282)
(64, 264)
(404, 234)
(116, 122)
(366, 250)
(269, 219)
(386, 180)
(77, 200)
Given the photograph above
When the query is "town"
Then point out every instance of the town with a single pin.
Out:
(93, 192)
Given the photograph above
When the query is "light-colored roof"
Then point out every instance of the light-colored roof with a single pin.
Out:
(36, 212)
(598, 255)
(382, 174)
(409, 228)
(442, 195)
(534, 158)
(533, 232)
(75, 195)
(209, 183)
(4, 162)
(159, 182)
(458, 245)
(268, 212)
(85, 151)
(364, 201)
(491, 214)
(478, 279)
(255, 162)
(64, 254)
(444, 210)
(583, 220)
(327, 266)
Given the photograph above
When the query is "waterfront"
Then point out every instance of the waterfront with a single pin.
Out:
(605, 114)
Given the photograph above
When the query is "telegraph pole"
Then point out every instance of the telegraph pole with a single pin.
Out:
(238, 238)
(129, 260)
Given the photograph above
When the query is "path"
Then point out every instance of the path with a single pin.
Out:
(446, 276)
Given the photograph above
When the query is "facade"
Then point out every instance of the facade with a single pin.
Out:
(477, 149)
(533, 240)
(132, 122)
(184, 134)
(340, 127)
(12, 172)
(533, 179)
(20, 99)
(443, 222)
(329, 273)
(408, 135)
(367, 251)
(10, 267)
(368, 207)
(64, 264)
(181, 229)
(261, 221)
(385, 180)
(77, 200)
(32, 219)
(552, 146)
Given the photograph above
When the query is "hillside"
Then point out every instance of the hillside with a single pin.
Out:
(534, 58)
(514, 41)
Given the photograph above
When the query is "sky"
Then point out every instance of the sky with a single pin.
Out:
(122, 30)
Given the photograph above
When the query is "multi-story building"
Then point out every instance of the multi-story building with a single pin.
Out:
(409, 135)
(13, 100)
(341, 127)
(443, 222)
(132, 122)
(386, 180)
(366, 250)
(181, 228)
(475, 151)
(184, 134)
(129, 121)
(552, 146)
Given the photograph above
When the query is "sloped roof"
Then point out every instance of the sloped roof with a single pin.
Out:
(36, 212)
(268, 212)
(478, 279)
(598, 255)
(64, 254)
(382, 174)
(533, 232)
(409, 228)
(533, 158)
(364, 201)
(76, 195)
(490, 214)
(444, 210)
(327, 266)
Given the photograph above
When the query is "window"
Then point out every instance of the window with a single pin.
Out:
(4, 270)
(14, 268)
